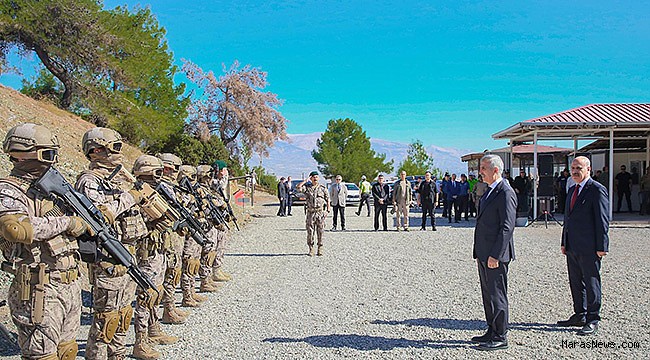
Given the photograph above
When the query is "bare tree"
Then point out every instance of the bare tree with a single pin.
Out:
(235, 108)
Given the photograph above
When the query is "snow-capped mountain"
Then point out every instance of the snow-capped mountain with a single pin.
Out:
(293, 157)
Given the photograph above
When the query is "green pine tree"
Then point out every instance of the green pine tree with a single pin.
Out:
(344, 149)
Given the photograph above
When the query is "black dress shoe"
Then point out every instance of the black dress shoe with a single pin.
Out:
(589, 329)
(574, 320)
(483, 338)
(493, 345)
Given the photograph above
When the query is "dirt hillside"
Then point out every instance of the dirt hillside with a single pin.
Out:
(16, 108)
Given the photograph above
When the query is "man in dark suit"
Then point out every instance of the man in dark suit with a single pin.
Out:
(585, 241)
(380, 193)
(282, 197)
(493, 251)
(428, 193)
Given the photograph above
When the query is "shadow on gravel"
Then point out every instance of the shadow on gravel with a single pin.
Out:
(367, 343)
(450, 324)
(269, 255)
(462, 324)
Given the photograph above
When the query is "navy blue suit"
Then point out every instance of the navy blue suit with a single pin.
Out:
(493, 236)
(585, 231)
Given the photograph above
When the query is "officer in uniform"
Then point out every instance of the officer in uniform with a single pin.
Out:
(216, 233)
(317, 201)
(171, 314)
(39, 243)
(151, 253)
(113, 289)
(191, 250)
(220, 188)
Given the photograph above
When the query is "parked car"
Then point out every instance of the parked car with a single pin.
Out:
(354, 194)
(296, 196)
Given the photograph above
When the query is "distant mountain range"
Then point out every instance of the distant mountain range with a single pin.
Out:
(293, 157)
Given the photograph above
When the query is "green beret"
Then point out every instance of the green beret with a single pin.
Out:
(219, 164)
(313, 173)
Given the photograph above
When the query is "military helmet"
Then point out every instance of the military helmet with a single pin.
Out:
(203, 171)
(147, 165)
(187, 170)
(170, 160)
(101, 137)
(31, 141)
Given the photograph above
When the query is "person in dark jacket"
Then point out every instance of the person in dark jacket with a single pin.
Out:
(585, 242)
(463, 198)
(381, 193)
(493, 250)
(428, 193)
(451, 195)
(282, 197)
(290, 192)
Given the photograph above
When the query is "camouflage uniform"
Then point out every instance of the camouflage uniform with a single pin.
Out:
(191, 250)
(112, 295)
(220, 235)
(317, 198)
(174, 265)
(39, 245)
(215, 233)
(151, 254)
(56, 329)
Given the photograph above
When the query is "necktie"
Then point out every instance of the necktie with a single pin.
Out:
(487, 193)
(575, 196)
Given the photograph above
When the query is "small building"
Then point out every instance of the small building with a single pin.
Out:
(619, 134)
(520, 157)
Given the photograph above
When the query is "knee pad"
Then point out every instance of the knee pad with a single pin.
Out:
(108, 323)
(149, 299)
(212, 255)
(17, 228)
(126, 314)
(177, 271)
(193, 266)
(161, 290)
(67, 350)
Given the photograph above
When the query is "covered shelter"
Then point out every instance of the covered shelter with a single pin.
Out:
(624, 125)
(518, 157)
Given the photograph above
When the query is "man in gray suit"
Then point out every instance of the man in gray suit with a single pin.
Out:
(338, 197)
(493, 250)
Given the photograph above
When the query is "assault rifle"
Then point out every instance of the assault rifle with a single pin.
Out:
(187, 219)
(212, 211)
(230, 212)
(53, 185)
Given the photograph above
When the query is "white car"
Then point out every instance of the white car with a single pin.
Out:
(354, 194)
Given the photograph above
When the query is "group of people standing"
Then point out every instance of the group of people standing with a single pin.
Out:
(285, 196)
(41, 237)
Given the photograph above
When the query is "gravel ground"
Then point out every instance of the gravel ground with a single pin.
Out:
(402, 295)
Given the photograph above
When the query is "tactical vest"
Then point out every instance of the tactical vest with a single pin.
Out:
(58, 253)
(130, 225)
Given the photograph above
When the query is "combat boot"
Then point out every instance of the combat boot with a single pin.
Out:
(158, 337)
(198, 297)
(173, 315)
(189, 300)
(311, 250)
(142, 349)
(208, 285)
(320, 251)
(220, 275)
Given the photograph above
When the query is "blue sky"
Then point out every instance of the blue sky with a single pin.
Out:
(449, 73)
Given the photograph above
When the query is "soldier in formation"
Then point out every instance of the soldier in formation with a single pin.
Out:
(40, 244)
